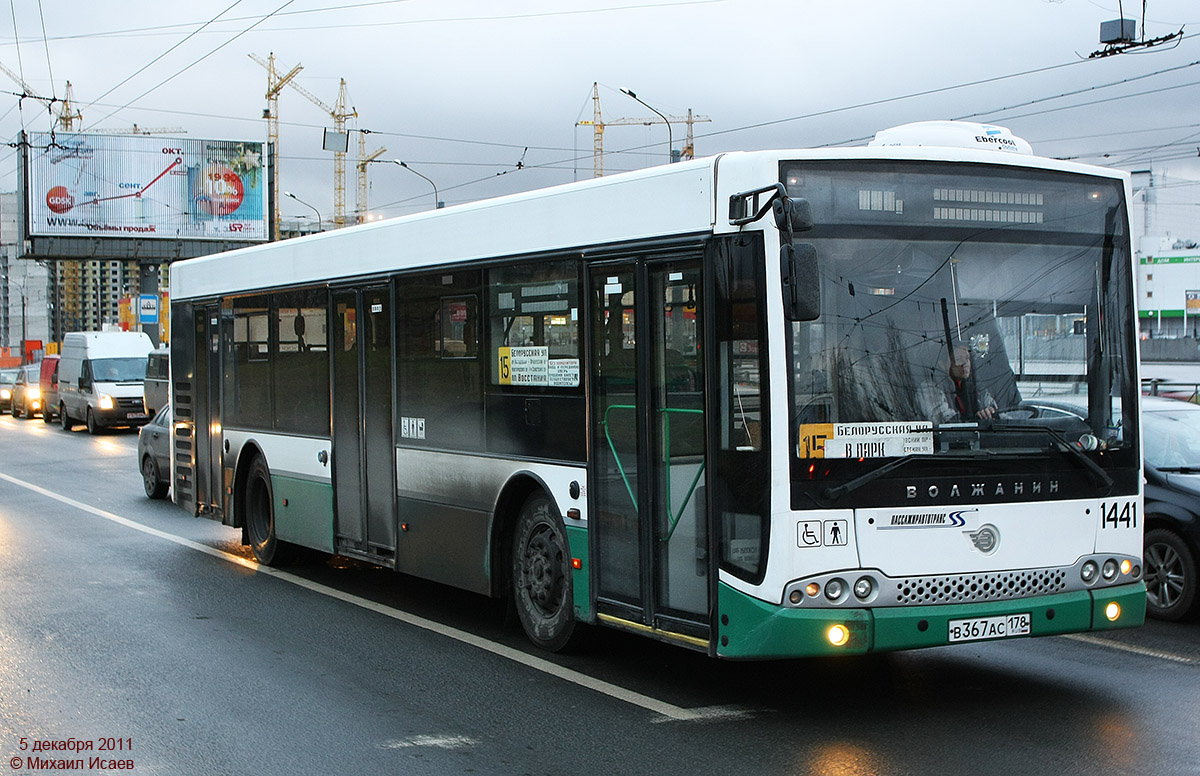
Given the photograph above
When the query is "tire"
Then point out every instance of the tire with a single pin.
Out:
(541, 575)
(1170, 574)
(47, 417)
(64, 419)
(258, 508)
(92, 426)
(12, 408)
(151, 481)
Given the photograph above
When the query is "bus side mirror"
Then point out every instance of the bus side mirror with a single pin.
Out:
(801, 281)
(792, 214)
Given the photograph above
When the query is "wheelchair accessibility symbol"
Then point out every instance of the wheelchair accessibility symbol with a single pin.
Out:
(815, 533)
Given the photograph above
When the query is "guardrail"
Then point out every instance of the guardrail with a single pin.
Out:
(1172, 389)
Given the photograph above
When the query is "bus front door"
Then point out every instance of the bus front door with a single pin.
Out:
(649, 511)
(363, 450)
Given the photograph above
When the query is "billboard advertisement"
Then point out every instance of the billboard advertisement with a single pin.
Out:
(90, 185)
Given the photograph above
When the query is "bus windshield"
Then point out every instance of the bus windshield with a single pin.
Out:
(965, 310)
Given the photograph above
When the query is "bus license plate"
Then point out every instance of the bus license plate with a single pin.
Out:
(1001, 627)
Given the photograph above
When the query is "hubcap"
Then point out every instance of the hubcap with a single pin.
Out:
(543, 569)
(1164, 580)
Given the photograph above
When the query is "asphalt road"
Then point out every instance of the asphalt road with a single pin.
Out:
(124, 621)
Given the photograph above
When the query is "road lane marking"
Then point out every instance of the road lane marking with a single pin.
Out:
(668, 710)
(1132, 648)
(438, 742)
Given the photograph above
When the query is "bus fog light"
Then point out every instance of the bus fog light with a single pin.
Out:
(835, 589)
(1112, 611)
(1109, 571)
(1089, 571)
(863, 588)
(812, 589)
(838, 635)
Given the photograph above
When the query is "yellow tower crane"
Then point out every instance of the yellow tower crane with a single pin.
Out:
(598, 124)
(339, 114)
(363, 160)
(67, 113)
(275, 83)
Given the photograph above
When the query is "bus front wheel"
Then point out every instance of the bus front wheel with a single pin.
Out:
(258, 508)
(541, 574)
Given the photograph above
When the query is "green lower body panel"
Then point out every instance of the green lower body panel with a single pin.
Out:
(753, 629)
(577, 538)
(303, 512)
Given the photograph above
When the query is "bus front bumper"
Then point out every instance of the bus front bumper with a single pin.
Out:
(752, 629)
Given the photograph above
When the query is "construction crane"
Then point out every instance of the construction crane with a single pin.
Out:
(275, 82)
(363, 160)
(67, 114)
(28, 91)
(339, 113)
(598, 125)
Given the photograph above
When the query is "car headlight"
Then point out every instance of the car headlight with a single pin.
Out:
(5, 394)
(33, 394)
(106, 401)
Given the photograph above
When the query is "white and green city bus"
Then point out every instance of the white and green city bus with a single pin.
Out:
(705, 402)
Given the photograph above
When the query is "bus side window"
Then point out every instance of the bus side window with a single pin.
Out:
(438, 372)
(533, 324)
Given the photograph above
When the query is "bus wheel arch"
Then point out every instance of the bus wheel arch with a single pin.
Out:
(541, 580)
(504, 521)
(256, 504)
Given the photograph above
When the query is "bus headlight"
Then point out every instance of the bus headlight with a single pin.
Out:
(106, 401)
(1088, 572)
(863, 588)
(835, 590)
(1109, 570)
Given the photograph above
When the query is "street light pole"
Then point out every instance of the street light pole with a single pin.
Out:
(310, 207)
(670, 135)
(437, 203)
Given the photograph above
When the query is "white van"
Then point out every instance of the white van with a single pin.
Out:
(100, 378)
(158, 381)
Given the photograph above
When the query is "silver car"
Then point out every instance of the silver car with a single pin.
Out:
(154, 454)
(8, 379)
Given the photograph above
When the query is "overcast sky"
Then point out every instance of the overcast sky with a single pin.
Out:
(460, 88)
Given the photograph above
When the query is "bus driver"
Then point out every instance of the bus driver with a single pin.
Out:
(952, 395)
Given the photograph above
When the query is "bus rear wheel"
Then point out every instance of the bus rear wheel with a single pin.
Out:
(541, 574)
(258, 508)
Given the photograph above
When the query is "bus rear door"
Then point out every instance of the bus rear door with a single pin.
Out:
(363, 450)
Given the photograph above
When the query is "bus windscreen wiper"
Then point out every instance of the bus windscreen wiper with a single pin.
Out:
(833, 494)
(1065, 445)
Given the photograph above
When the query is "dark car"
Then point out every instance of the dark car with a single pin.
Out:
(1171, 434)
(154, 454)
(26, 394)
(8, 378)
(1171, 454)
